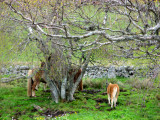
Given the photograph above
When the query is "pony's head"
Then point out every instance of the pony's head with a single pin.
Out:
(43, 64)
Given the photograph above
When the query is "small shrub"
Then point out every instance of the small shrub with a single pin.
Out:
(94, 83)
(147, 83)
(100, 83)
(141, 84)
(120, 84)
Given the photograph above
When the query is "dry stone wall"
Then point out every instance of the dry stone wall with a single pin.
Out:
(18, 70)
(110, 72)
(91, 71)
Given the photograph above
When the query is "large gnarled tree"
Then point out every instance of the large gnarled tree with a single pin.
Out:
(67, 29)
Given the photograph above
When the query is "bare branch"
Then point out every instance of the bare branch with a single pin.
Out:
(156, 27)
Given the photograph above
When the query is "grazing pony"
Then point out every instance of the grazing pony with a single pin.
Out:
(39, 76)
(112, 92)
(80, 86)
(34, 81)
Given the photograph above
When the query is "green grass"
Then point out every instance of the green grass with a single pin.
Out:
(133, 104)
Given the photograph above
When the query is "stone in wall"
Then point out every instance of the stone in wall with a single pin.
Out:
(96, 71)
(111, 72)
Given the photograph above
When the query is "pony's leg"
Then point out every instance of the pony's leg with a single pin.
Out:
(45, 86)
(114, 96)
(34, 87)
(37, 86)
(33, 90)
(109, 99)
(114, 100)
(33, 93)
(80, 86)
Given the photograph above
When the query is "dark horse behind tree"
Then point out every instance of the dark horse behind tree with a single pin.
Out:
(38, 75)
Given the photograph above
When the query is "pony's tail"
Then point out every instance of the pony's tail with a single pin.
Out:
(118, 91)
(29, 84)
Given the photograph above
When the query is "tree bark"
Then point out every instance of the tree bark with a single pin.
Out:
(52, 85)
(74, 87)
(63, 89)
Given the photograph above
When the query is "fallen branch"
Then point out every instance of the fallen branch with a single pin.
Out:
(38, 108)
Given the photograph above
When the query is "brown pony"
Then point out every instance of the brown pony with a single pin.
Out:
(33, 82)
(112, 92)
(80, 86)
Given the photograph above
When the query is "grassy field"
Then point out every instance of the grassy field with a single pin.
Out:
(134, 103)
(139, 98)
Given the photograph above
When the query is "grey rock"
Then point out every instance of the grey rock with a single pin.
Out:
(111, 72)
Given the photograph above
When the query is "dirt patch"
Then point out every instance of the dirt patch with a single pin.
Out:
(17, 114)
(105, 93)
(56, 113)
(99, 100)
(99, 106)
(126, 94)
(33, 110)
(50, 112)
(91, 91)
(102, 107)
(77, 98)
(128, 103)
(88, 98)
(110, 109)
(122, 90)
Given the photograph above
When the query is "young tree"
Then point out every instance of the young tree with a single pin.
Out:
(64, 30)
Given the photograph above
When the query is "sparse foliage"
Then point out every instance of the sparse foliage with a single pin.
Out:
(66, 30)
